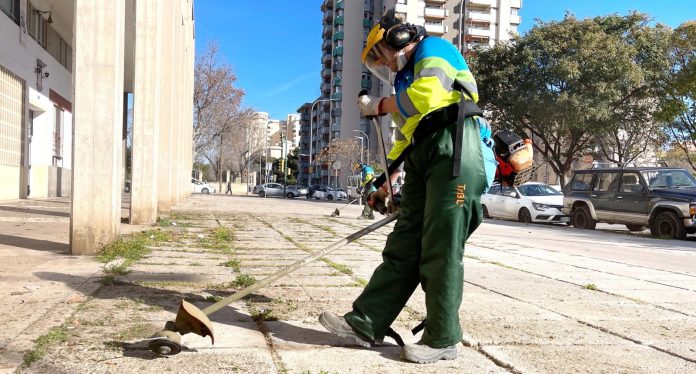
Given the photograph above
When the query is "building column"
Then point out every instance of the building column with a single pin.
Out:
(98, 68)
(165, 29)
(146, 99)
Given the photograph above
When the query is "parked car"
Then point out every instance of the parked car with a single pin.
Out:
(663, 199)
(320, 192)
(268, 189)
(295, 191)
(529, 202)
(201, 187)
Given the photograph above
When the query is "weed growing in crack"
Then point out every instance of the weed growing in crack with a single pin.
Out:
(590, 286)
(212, 298)
(121, 269)
(54, 336)
(234, 264)
(340, 267)
(242, 281)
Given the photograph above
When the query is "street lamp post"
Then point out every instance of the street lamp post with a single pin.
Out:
(311, 126)
(368, 146)
(362, 145)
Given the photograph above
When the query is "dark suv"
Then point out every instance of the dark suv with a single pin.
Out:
(662, 199)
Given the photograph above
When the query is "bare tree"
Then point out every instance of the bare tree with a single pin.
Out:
(216, 100)
(341, 152)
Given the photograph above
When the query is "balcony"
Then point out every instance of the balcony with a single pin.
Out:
(336, 96)
(326, 58)
(326, 45)
(339, 4)
(337, 82)
(338, 51)
(328, 16)
(367, 22)
(337, 66)
(478, 16)
(326, 73)
(338, 21)
(436, 13)
(326, 4)
(435, 1)
(366, 83)
(515, 20)
(481, 2)
(336, 112)
(338, 36)
(325, 86)
(486, 33)
(435, 29)
(328, 29)
(516, 4)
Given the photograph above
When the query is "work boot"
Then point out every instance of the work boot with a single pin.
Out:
(340, 327)
(423, 354)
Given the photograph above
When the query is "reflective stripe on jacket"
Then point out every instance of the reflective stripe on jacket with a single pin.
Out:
(425, 84)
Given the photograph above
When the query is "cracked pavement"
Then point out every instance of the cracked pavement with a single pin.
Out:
(537, 299)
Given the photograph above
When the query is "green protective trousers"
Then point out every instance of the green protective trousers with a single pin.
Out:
(438, 213)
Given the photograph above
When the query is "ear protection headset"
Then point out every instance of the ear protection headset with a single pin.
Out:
(397, 34)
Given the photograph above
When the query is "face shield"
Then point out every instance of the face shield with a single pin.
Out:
(375, 56)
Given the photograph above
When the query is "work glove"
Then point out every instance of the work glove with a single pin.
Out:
(369, 105)
(379, 201)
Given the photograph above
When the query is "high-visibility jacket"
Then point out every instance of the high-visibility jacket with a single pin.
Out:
(425, 84)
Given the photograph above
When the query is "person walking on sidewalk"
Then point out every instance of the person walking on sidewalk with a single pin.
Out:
(440, 200)
(229, 187)
(367, 174)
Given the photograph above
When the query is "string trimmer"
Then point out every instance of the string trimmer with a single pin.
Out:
(191, 319)
(337, 211)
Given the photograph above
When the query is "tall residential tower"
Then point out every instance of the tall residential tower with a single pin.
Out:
(345, 27)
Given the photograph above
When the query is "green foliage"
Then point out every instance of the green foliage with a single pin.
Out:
(55, 335)
(574, 84)
(242, 281)
(234, 264)
(132, 247)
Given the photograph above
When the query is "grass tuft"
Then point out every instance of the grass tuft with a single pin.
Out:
(340, 267)
(55, 335)
(590, 286)
(234, 264)
(242, 281)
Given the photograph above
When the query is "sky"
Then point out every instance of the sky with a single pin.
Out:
(274, 46)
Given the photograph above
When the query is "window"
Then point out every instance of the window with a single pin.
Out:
(494, 189)
(582, 182)
(37, 26)
(630, 182)
(11, 8)
(58, 136)
(608, 182)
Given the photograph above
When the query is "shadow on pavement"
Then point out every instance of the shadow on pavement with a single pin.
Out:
(34, 211)
(169, 300)
(37, 244)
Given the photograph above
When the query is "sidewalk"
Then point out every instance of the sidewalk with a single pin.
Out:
(528, 305)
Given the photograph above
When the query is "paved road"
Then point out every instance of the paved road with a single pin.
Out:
(536, 298)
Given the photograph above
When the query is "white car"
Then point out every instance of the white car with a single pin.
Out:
(201, 187)
(321, 192)
(530, 202)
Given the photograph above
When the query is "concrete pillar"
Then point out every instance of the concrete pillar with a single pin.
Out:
(146, 99)
(98, 111)
(165, 28)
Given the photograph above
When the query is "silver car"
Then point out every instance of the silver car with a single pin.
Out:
(295, 191)
(268, 189)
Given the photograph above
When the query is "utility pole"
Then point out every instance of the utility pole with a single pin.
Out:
(285, 162)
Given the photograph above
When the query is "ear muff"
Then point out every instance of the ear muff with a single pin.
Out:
(399, 35)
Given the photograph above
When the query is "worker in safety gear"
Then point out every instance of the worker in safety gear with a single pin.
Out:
(449, 165)
(367, 174)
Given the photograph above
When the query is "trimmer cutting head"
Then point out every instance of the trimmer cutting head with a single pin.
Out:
(191, 319)
(188, 319)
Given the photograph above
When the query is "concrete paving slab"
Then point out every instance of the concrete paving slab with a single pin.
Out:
(630, 358)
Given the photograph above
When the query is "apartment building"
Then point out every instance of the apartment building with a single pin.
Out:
(68, 70)
(345, 27)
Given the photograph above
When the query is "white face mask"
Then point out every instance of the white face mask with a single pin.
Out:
(401, 60)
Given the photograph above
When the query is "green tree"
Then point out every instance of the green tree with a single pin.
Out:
(564, 82)
(679, 109)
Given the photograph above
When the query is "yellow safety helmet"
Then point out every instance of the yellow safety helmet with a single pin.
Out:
(374, 37)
